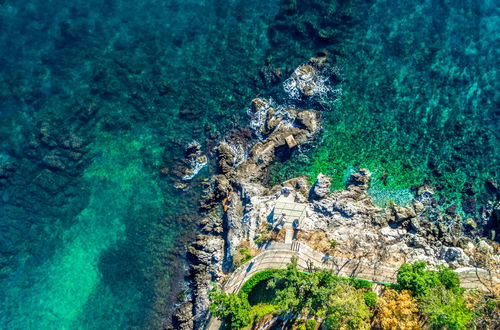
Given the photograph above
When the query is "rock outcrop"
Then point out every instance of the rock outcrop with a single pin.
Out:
(308, 80)
(242, 164)
(322, 185)
(243, 158)
(345, 222)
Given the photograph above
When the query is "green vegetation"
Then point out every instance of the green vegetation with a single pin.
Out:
(234, 309)
(260, 310)
(262, 238)
(445, 309)
(415, 278)
(370, 299)
(256, 279)
(419, 298)
(230, 308)
(311, 324)
(243, 254)
(359, 284)
(340, 301)
(333, 244)
(346, 308)
(419, 281)
(438, 293)
(302, 324)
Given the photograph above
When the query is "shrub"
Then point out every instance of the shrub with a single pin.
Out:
(360, 284)
(397, 310)
(243, 253)
(291, 289)
(346, 308)
(445, 309)
(333, 244)
(486, 307)
(415, 278)
(299, 324)
(370, 299)
(258, 311)
(311, 324)
(449, 279)
(263, 236)
(438, 293)
(241, 256)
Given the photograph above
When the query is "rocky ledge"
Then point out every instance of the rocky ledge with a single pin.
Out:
(346, 223)
(242, 164)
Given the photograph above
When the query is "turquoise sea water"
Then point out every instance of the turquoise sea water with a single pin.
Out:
(98, 98)
(420, 99)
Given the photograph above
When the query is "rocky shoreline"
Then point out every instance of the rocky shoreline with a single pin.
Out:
(345, 223)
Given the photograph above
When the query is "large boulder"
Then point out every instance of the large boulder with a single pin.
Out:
(361, 178)
(308, 120)
(306, 81)
(226, 157)
(322, 186)
(183, 318)
(454, 256)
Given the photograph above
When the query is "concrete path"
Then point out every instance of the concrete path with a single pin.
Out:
(288, 233)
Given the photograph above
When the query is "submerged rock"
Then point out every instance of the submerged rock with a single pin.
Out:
(196, 160)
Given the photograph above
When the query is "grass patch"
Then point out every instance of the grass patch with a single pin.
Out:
(244, 253)
(259, 310)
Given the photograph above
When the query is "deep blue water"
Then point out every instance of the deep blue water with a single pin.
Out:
(98, 100)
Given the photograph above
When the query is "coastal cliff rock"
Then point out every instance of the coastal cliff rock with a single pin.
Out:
(183, 318)
(344, 223)
(242, 160)
(242, 163)
(205, 256)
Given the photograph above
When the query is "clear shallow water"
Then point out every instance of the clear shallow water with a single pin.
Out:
(96, 98)
(420, 93)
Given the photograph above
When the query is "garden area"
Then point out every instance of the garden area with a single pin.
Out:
(293, 299)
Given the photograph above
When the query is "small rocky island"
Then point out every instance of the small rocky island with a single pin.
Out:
(250, 226)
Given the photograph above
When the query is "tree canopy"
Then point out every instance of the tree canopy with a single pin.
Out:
(233, 309)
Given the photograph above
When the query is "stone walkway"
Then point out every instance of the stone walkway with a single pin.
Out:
(278, 256)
